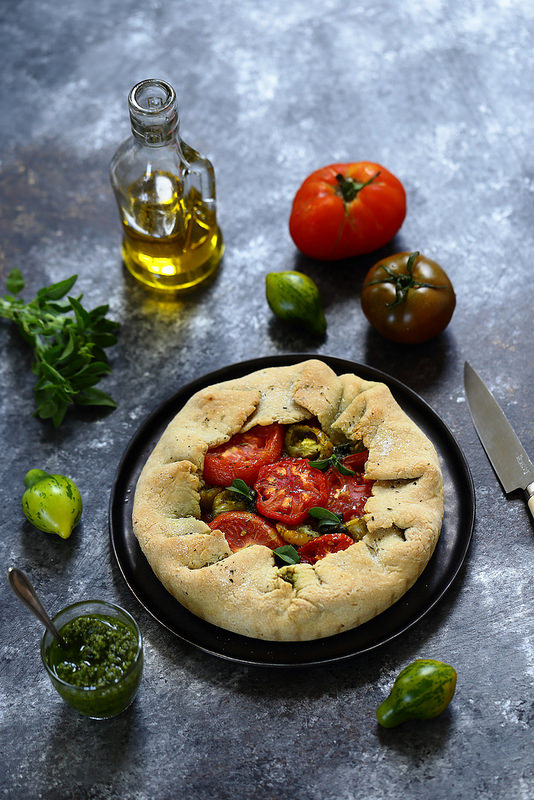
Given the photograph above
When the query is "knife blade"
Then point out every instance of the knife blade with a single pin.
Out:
(507, 455)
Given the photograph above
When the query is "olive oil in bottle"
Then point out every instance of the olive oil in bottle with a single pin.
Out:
(165, 192)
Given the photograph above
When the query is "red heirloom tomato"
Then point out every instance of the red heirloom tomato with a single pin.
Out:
(408, 298)
(288, 489)
(242, 528)
(323, 545)
(243, 455)
(349, 493)
(346, 210)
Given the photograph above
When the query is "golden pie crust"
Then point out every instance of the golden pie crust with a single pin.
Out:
(246, 592)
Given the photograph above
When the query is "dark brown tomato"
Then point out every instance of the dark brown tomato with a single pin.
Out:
(408, 298)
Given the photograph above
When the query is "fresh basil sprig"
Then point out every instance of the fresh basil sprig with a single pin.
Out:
(327, 520)
(68, 343)
(286, 554)
(340, 451)
(325, 463)
(240, 487)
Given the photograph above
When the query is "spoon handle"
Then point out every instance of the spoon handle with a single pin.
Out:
(23, 588)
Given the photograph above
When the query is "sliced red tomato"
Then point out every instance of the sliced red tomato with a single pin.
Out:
(288, 489)
(243, 455)
(242, 528)
(348, 493)
(318, 548)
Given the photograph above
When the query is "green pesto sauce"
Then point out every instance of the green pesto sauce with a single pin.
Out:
(100, 650)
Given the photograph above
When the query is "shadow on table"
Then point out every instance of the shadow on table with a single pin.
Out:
(416, 740)
(419, 366)
(110, 753)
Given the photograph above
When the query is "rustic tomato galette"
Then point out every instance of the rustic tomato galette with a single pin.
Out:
(290, 504)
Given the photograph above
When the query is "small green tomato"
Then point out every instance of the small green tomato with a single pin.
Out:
(294, 296)
(51, 502)
(422, 690)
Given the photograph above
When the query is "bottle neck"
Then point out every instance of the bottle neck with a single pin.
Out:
(153, 113)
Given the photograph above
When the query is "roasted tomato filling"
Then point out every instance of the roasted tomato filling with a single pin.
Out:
(273, 491)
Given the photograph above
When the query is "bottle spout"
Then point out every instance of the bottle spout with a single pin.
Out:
(153, 113)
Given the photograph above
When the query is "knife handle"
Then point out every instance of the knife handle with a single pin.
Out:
(529, 491)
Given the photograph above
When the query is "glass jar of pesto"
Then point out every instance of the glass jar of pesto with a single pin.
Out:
(99, 669)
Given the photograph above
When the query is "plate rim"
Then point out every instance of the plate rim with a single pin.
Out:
(339, 365)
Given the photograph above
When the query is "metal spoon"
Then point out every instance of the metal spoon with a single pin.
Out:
(23, 588)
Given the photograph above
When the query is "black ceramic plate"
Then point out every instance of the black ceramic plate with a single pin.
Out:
(448, 557)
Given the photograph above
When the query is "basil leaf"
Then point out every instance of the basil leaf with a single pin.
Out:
(327, 519)
(286, 554)
(68, 344)
(240, 487)
(82, 316)
(15, 282)
(322, 464)
(324, 514)
(57, 290)
(95, 397)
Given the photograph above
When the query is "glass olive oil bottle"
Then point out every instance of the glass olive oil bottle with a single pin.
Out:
(165, 193)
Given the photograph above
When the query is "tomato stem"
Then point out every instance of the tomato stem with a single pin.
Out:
(403, 282)
(349, 188)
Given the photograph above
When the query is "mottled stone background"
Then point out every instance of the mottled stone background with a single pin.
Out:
(442, 93)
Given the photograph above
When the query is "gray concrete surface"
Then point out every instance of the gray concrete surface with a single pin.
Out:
(442, 94)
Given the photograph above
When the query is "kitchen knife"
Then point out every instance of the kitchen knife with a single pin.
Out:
(504, 450)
